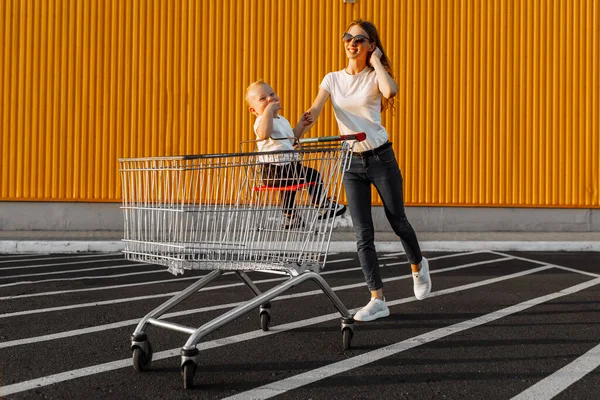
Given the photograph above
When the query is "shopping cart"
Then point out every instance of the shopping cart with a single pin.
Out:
(218, 213)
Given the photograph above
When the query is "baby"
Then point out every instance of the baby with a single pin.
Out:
(275, 133)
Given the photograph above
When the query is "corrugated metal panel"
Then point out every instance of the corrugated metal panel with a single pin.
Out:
(498, 103)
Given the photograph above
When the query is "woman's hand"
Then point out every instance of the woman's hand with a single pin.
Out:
(385, 83)
(375, 56)
(306, 118)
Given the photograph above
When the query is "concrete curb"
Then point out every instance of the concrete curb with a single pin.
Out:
(60, 246)
(115, 246)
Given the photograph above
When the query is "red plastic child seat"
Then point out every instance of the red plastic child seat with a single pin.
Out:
(289, 188)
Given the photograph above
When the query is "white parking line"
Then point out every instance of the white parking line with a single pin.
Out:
(126, 299)
(71, 271)
(121, 324)
(552, 385)
(340, 260)
(138, 298)
(30, 266)
(114, 365)
(57, 292)
(545, 263)
(127, 285)
(309, 377)
(86, 277)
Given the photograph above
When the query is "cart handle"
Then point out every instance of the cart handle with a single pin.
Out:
(359, 137)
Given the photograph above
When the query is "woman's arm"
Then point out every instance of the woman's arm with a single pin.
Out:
(317, 106)
(387, 85)
(305, 121)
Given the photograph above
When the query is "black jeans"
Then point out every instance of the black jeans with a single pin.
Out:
(378, 168)
(293, 173)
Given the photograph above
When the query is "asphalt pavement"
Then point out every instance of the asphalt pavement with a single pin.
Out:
(498, 325)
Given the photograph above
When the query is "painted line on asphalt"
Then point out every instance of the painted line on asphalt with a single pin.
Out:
(577, 271)
(545, 263)
(62, 263)
(339, 261)
(71, 271)
(118, 364)
(125, 299)
(57, 292)
(85, 277)
(120, 324)
(294, 382)
(218, 287)
(69, 291)
(92, 269)
(553, 384)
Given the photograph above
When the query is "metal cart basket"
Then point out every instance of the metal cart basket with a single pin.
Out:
(220, 213)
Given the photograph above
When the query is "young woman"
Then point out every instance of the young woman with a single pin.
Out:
(359, 93)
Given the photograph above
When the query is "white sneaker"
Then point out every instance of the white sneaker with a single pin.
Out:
(422, 281)
(375, 309)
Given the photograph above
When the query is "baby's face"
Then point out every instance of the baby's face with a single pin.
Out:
(260, 96)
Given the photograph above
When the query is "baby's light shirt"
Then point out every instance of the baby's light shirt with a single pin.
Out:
(281, 129)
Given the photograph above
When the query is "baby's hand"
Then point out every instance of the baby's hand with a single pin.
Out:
(273, 108)
(306, 119)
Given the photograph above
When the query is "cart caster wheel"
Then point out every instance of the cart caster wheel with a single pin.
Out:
(265, 321)
(347, 338)
(188, 370)
(141, 360)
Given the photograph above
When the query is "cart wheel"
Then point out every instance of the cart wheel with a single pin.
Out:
(141, 360)
(347, 337)
(188, 370)
(265, 321)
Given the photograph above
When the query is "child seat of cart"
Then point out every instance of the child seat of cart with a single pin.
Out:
(360, 136)
(288, 188)
(278, 188)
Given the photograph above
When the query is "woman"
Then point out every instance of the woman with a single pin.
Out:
(359, 93)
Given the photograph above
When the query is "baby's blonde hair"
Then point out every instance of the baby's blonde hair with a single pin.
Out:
(250, 86)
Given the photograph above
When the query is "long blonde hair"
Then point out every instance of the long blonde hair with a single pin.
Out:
(371, 30)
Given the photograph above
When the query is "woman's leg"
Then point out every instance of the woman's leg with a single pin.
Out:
(388, 181)
(358, 192)
(386, 176)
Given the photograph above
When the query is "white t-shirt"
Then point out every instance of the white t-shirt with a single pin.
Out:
(356, 101)
(281, 130)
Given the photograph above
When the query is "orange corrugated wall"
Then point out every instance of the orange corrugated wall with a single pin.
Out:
(498, 102)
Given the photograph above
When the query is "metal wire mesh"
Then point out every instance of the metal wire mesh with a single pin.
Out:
(219, 212)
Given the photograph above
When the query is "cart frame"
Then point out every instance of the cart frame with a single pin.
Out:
(297, 263)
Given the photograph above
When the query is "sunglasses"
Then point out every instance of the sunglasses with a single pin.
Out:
(358, 39)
